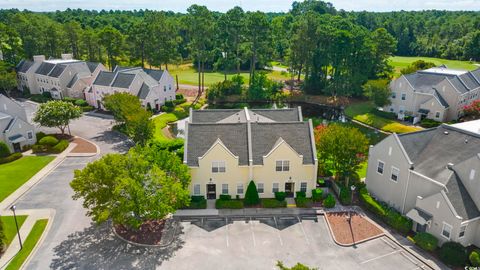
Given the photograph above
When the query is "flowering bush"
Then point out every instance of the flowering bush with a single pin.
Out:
(473, 110)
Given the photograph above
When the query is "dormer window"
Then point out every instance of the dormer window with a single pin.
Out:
(282, 166)
(218, 166)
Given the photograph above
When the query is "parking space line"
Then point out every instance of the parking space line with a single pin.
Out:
(379, 257)
(393, 246)
(226, 232)
(303, 231)
(413, 261)
(253, 234)
(278, 231)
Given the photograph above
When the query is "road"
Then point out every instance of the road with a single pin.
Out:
(55, 193)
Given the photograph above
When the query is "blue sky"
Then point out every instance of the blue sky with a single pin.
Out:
(223, 5)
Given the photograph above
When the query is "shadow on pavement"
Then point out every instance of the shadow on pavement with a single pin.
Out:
(119, 142)
(98, 248)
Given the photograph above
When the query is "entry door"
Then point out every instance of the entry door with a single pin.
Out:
(421, 228)
(16, 147)
(289, 189)
(211, 191)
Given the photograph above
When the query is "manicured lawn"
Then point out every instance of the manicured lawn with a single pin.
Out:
(160, 123)
(28, 244)
(399, 62)
(9, 227)
(16, 173)
(362, 112)
(188, 75)
(362, 171)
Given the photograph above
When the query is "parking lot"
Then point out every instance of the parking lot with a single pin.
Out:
(259, 242)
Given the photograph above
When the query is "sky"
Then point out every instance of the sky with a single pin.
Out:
(224, 5)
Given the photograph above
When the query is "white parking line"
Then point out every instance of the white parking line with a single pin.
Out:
(253, 234)
(303, 231)
(379, 257)
(226, 232)
(278, 231)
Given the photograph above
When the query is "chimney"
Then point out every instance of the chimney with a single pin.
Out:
(38, 58)
(67, 56)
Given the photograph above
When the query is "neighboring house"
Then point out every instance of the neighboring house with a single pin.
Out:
(152, 87)
(225, 149)
(437, 93)
(433, 177)
(15, 129)
(65, 77)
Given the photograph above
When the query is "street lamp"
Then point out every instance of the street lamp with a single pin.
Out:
(13, 207)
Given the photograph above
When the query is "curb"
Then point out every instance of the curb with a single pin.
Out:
(70, 154)
(147, 245)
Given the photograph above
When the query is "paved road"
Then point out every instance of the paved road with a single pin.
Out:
(54, 191)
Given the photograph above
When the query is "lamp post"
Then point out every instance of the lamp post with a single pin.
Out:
(352, 188)
(13, 207)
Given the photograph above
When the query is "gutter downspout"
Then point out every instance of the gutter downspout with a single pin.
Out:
(406, 192)
(249, 142)
(314, 149)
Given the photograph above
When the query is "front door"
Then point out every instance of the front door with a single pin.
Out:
(211, 191)
(17, 148)
(289, 189)
(421, 228)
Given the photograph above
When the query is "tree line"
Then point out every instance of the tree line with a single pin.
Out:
(334, 51)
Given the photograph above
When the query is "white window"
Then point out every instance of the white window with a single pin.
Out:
(224, 188)
(463, 228)
(282, 166)
(380, 167)
(30, 135)
(404, 96)
(196, 189)
(275, 187)
(218, 166)
(240, 189)
(395, 173)
(446, 230)
(437, 115)
(260, 188)
(169, 87)
(472, 174)
(394, 95)
(303, 186)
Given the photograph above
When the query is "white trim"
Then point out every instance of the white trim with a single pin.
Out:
(391, 174)
(218, 141)
(219, 162)
(263, 187)
(282, 161)
(243, 189)
(397, 139)
(185, 145)
(464, 231)
(383, 167)
(281, 141)
(228, 189)
(454, 212)
(428, 178)
(443, 229)
(278, 187)
(199, 189)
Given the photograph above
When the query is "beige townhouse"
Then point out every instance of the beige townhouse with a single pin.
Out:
(152, 87)
(433, 177)
(226, 149)
(437, 93)
(15, 129)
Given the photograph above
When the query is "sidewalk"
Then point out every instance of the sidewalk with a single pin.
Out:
(247, 212)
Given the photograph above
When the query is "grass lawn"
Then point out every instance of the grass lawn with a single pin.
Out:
(399, 62)
(160, 123)
(362, 113)
(16, 173)
(188, 75)
(9, 227)
(28, 244)
(362, 171)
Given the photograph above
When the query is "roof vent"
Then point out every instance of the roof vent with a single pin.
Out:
(466, 140)
(450, 166)
(445, 132)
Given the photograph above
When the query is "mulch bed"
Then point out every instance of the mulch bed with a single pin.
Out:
(345, 233)
(149, 233)
(83, 146)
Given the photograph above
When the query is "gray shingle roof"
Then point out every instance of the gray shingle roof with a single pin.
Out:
(212, 116)
(476, 74)
(143, 92)
(57, 70)
(45, 68)
(123, 80)
(443, 102)
(284, 115)
(469, 81)
(202, 136)
(458, 84)
(154, 73)
(297, 135)
(421, 80)
(461, 200)
(92, 66)
(104, 78)
(24, 66)
(73, 81)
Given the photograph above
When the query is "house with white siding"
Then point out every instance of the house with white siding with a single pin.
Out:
(15, 130)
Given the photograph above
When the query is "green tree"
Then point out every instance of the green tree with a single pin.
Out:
(251, 195)
(378, 91)
(232, 26)
(258, 39)
(57, 113)
(139, 127)
(73, 32)
(417, 65)
(472, 46)
(4, 150)
(262, 88)
(341, 149)
(8, 78)
(384, 45)
(10, 44)
(112, 40)
(297, 266)
(162, 39)
(130, 189)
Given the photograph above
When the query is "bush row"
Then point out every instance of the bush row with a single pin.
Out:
(386, 213)
(329, 201)
(197, 202)
(228, 204)
(10, 158)
(426, 241)
(49, 144)
(273, 203)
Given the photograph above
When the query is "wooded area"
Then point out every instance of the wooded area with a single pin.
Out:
(336, 51)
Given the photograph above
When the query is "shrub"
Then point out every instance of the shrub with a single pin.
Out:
(4, 150)
(69, 99)
(48, 141)
(81, 103)
(37, 148)
(426, 241)
(371, 204)
(273, 203)
(40, 135)
(280, 195)
(303, 202)
(10, 158)
(301, 194)
(26, 147)
(229, 204)
(169, 104)
(87, 108)
(429, 123)
(225, 197)
(3, 239)
(197, 198)
(60, 147)
(397, 221)
(39, 98)
(179, 96)
(197, 202)
(179, 101)
(251, 195)
(474, 258)
(329, 201)
(345, 196)
(453, 254)
(317, 194)
(384, 114)
(166, 108)
(47, 95)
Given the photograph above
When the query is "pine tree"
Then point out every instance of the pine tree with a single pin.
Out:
(251, 196)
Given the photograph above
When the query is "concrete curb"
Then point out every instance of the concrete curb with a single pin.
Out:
(85, 154)
(147, 245)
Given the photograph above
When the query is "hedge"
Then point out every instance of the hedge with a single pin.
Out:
(303, 202)
(40, 135)
(229, 204)
(169, 104)
(48, 141)
(474, 258)
(179, 101)
(225, 197)
(3, 239)
(273, 203)
(370, 203)
(329, 201)
(87, 108)
(167, 109)
(4, 150)
(429, 123)
(10, 158)
(426, 241)
(301, 194)
(317, 194)
(179, 96)
(280, 195)
(345, 196)
(197, 202)
(60, 147)
(453, 254)
(81, 103)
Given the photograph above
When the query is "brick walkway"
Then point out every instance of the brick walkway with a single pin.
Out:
(347, 233)
(83, 146)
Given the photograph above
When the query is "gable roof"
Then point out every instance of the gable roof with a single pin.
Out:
(104, 78)
(123, 80)
(24, 66)
(44, 68)
(73, 81)
(143, 92)
(154, 73)
(460, 198)
(57, 70)
(92, 66)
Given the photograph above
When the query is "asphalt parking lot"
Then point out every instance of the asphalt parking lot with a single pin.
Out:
(259, 242)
